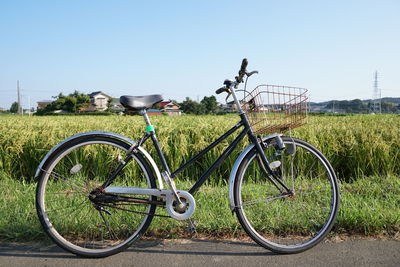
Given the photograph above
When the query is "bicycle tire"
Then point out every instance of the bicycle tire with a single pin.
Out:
(276, 221)
(67, 215)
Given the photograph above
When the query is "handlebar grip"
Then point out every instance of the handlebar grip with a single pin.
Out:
(244, 65)
(242, 71)
(220, 90)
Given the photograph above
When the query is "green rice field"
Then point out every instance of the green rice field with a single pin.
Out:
(364, 150)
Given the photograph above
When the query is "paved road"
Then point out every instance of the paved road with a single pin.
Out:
(210, 253)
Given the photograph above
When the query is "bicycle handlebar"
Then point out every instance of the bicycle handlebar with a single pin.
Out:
(221, 90)
(239, 79)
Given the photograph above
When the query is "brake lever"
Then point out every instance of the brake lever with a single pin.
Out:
(229, 94)
(251, 73)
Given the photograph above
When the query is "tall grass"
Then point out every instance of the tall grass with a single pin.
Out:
(369, 206)
(357, 146)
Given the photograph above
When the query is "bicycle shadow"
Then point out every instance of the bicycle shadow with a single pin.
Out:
(33, 250)
(156, 246)
(205, 247)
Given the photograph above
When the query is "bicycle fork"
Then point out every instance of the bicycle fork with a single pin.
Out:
(266, 165)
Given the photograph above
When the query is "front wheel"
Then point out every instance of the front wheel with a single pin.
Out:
(78, 216)
(280, 221)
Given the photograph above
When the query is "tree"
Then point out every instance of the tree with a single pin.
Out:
(192, 107)
(70, 103)
(210, 104)
(352, 106)
(14, 107)
(388, 107)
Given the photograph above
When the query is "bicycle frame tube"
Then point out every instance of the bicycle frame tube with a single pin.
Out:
(208, 148)
(218, 162)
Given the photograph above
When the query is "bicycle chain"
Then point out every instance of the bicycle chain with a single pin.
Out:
(134, 211)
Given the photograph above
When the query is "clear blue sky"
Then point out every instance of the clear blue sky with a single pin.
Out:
(187, 48)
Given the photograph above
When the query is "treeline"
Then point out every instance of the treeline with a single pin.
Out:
(70, 103)
(74, 102)
(359, 106)
(208, 105)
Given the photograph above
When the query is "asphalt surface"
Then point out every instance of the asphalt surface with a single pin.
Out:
(209, 253)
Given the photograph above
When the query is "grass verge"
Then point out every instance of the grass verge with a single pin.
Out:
(369, 207)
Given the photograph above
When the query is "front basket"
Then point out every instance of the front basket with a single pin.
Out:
(273, 108)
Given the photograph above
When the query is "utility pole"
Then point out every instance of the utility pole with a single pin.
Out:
(29, 105)
(19, 99)
(380, 98)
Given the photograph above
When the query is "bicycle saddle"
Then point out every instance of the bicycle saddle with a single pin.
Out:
(139, 102)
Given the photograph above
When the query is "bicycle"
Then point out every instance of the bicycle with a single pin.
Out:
(98, 191)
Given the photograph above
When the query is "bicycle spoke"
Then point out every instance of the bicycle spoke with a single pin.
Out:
(61, 177)
(111, 232)
(67, 208)
(262, 200)
(64, 193)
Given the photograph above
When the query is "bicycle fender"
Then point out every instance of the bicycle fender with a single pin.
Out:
(110, 134)
(235, 169)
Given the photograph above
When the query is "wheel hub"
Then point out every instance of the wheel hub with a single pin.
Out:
(181, 207)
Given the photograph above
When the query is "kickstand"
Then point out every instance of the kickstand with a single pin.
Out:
(191, 227)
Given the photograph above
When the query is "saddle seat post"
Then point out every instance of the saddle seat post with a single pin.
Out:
(149, 126)
(166, 173)
(151, 132)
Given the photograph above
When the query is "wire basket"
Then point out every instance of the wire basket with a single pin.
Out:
(275, 109)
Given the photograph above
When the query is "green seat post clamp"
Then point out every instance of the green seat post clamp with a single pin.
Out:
(149, 128)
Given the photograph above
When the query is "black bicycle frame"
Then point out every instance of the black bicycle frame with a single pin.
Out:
(247, 130)
(220, 159)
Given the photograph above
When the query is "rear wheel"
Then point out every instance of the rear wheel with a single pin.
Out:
(287, 222)
(70, 214)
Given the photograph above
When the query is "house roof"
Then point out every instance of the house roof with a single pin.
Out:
(164, 103)
(97, 93)
(45, 101)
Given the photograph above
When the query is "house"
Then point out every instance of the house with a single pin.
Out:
(87, 108)
(44, 103)
(170, 108)
(153, 112)
(100, 100)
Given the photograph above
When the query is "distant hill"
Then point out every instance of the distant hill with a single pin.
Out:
(395, 100)
(389, 105)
